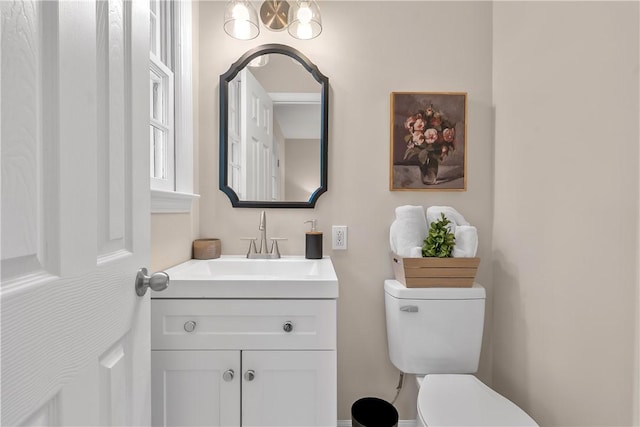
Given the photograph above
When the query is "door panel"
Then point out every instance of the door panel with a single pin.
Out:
(75, 212)
(45, 416)
(25, 227)
(114, 143)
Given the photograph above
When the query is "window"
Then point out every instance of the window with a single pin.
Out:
(170, 106)
(161, 133)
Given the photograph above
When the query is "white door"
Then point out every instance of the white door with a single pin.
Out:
(196, 388)
(234, 141)
(257, 136)
(75, 212)
(288, 388)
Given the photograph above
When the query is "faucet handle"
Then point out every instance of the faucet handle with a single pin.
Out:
(274, 246)
(252, 245)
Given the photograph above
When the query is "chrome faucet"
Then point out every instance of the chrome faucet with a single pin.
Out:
(263, 252)
(263, 232)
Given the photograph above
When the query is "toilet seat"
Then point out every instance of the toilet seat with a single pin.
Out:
(463, 400)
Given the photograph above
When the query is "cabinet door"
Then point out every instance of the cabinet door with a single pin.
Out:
(289, 388)
(190, 388)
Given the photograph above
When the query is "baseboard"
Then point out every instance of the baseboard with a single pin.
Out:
(401, 423)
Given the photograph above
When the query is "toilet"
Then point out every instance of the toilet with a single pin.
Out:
(436, 334)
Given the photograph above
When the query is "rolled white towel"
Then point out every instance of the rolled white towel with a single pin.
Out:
(466, 242)
(456, 218)
(415, 252)
(408, 230)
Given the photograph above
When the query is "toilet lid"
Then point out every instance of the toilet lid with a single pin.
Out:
(400, 291)
(463, 400)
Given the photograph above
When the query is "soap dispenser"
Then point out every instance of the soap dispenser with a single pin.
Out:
(313, 243)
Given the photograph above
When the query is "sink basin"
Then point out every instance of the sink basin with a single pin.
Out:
(235, 276)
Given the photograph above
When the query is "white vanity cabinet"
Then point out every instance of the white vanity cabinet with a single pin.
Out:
(243, 362)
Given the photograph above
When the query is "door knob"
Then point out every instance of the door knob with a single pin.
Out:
(288, 326)
(157, 281)
(249, 375)
(228, 375)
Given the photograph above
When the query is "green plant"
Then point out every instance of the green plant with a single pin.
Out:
(439, 243)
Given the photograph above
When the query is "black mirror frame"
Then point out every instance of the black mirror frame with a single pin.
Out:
(227, 77)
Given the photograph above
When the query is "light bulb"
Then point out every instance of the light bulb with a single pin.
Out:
(304, 14)
(304, 31)
(242, 30)
(240, 12)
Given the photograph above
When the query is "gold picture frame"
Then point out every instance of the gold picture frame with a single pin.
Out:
(428, 141)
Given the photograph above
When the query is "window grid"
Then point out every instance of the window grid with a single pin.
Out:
(161, 102)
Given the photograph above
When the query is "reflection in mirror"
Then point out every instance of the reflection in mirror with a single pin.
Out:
(273, 130)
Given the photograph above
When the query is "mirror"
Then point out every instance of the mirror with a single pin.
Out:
(274, 106)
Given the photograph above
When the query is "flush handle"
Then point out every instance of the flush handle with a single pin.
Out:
(409, 308)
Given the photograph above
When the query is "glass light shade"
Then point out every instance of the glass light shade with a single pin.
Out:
(304, 20)
(241, 20)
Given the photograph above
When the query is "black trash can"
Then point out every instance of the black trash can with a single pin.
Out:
(373, 412)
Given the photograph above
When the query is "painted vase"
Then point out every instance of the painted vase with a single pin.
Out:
(429, 170)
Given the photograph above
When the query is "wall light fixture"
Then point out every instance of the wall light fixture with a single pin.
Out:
(300, 17)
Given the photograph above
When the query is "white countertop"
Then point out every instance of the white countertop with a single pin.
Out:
(235, 276)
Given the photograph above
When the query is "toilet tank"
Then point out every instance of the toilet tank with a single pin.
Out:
(434, 330)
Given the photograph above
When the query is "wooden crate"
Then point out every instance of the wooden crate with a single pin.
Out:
(435, 272)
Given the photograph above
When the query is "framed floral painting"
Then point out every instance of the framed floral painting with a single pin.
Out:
(428, 141)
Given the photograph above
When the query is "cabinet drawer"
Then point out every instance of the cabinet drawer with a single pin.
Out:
(243, 324)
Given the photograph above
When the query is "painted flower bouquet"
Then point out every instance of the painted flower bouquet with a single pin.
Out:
(431, 137)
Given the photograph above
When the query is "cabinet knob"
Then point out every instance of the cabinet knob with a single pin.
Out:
(190, 326)
(288, 326)
(228, 375)
(249, 375)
